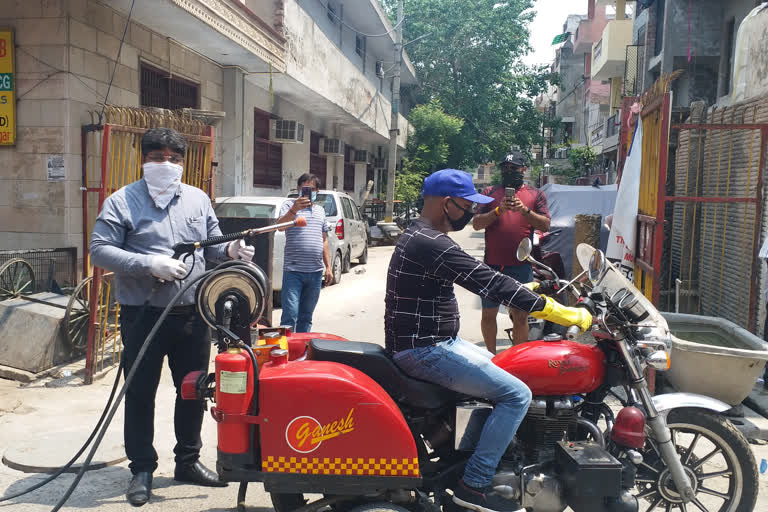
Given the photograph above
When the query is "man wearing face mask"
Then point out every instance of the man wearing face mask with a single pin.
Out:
(306, 255)
(507, 221)
(133, 236)
(421, 325)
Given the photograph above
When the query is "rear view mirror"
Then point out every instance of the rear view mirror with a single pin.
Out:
(597, 267)
(524, 249)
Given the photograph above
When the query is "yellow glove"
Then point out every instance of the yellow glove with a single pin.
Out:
(563, 315)
(533, 285)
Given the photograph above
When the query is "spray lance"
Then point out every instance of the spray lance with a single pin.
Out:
(186, 250)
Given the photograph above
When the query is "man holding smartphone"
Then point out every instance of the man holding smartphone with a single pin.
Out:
(306, 256)
(516, 211)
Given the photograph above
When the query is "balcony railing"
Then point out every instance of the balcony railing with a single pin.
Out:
(633, 70)
(597, 135)
(597, 51)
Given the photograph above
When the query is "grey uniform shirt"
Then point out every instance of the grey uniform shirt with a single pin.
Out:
(130, 229)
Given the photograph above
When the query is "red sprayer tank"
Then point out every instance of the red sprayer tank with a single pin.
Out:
(555, 368)
(234, 392)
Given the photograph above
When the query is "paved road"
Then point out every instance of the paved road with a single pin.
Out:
(55, 420)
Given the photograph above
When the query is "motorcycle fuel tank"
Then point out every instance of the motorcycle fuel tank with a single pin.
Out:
(325, 418)
(555, 368)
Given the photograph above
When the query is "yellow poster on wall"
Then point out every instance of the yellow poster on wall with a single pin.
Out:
(7, 88)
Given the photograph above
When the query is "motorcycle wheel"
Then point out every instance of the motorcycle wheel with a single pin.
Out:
(716, 457)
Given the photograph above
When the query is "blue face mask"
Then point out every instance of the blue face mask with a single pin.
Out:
(314, 196)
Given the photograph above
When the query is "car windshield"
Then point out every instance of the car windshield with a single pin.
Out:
(324, 200)
(245, 210)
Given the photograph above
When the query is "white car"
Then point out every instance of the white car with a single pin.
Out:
(268, 207)
(343, 215)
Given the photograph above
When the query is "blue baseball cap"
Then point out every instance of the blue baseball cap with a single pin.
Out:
(453, 183)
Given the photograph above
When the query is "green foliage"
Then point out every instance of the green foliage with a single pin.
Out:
(582, 159)
(408, 186)
(470, 62)
(433, 130)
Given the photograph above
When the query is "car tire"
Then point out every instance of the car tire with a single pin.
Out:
(363, 259)
(347, 262)
(336, 267)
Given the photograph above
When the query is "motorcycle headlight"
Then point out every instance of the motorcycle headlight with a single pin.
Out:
(655, 338)
(658, 360)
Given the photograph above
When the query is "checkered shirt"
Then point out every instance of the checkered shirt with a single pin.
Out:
(420, 305)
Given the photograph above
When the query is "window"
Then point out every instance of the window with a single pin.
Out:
(267, 155)
(659, 27)
(250, 211)
(360, 45)
(347, 207)
(161, 90)
(332, 14)
(317, 163)
(349, 176)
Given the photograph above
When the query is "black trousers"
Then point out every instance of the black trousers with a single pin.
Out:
(185, 339)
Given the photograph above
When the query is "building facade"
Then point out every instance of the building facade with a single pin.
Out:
(290, 87)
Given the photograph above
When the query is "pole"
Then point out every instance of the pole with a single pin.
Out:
(394, 131)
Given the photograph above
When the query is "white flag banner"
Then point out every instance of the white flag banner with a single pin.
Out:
(621, 243)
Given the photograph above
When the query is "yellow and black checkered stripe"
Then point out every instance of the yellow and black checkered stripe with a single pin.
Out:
(339, 466)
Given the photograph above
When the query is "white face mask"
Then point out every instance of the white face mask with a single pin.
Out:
(163, 181)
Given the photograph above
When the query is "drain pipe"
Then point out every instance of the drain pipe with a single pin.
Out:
(678, 282)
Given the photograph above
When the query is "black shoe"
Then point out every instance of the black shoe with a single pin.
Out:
(138, 491)
(197, 474)
(483, 499)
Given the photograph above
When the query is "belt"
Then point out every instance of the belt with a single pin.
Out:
(189, 309)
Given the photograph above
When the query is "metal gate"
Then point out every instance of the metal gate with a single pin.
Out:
(112, 160)
(700, 210)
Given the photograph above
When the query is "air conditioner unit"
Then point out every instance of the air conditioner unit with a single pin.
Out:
(286, 131)
(362, 156)
(381, 163)
(331, 147)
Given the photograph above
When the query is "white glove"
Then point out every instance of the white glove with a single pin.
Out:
(238, 250)
(166, 268)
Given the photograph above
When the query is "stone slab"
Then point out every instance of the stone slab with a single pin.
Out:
(32, 336)
(45, 452)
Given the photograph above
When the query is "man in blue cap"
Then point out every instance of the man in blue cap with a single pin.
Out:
(421, 326)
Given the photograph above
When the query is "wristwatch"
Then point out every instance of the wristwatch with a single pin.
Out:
(527, 210)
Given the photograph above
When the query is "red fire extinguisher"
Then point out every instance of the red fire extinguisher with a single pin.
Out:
(234, 395)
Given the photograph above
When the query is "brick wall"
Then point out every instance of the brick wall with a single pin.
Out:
(66, 53)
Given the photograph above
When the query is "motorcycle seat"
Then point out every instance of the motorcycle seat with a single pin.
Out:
(374, 361)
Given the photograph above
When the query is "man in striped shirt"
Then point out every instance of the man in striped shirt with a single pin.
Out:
(306, 256)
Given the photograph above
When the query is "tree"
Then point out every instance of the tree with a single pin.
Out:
(470, 61)
(582, 159)
(433, 132)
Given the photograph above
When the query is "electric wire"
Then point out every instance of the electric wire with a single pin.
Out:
(117, 60)
(353, 29)
(129, 378)
(82, 449)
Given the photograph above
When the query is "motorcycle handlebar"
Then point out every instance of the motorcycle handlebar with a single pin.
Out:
(572, 333)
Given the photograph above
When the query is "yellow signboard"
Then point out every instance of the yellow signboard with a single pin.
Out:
(7, 89)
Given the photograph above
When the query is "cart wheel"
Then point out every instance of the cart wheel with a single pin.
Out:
(78, 314)
(16, 278)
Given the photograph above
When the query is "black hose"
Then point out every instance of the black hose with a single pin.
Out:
(128, 379)
(69, 464)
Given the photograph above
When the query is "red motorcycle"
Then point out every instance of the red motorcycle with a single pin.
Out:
(338, 418)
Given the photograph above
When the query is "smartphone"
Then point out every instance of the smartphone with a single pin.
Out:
(306, 192)
(509, 193)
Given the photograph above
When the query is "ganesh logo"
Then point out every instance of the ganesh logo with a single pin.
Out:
(304, 434)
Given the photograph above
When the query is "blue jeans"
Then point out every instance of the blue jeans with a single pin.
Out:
(466, 368)
(300, 293)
